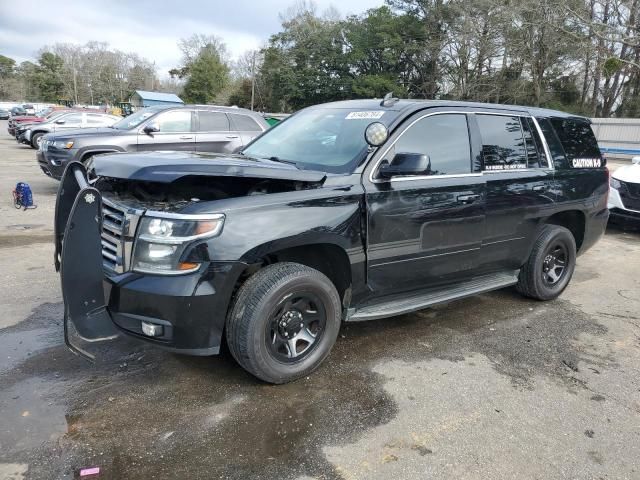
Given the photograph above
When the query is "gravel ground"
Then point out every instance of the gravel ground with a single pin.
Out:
(495, 386)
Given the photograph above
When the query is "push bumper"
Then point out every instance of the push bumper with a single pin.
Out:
(186, 312)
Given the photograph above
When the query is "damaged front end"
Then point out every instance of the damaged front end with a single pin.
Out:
(135, 251)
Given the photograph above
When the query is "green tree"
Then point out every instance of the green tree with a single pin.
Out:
(208, 76)
(49, 77)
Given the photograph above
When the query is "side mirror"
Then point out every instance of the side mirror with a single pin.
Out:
(404, 164)
(376, 134)
(635, 160)
(60, 122)
(151, 127)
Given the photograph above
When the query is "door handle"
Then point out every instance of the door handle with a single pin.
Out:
(539, 188)
(186, 137)
(233, 136)
(467, 198)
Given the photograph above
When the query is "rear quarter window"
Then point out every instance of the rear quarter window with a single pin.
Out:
(578, 141)
(244, 123)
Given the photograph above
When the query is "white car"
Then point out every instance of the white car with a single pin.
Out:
(624, 194)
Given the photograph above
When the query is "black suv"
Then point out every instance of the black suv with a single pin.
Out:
(347, 211)
(191, 128)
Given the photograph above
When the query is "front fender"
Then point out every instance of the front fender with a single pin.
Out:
(327, 217)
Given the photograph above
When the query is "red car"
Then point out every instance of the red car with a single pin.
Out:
(41, 116)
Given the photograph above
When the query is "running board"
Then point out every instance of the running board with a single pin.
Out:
(420, 300)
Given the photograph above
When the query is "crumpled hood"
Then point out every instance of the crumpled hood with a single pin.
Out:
(166, 167)
(628, 173)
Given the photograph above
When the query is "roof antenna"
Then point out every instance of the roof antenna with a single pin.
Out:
(389, 100)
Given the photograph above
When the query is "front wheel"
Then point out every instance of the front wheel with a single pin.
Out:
(550, 265)
(284, 322)
(36, 140)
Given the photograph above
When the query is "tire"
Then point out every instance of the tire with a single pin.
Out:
(550, 266)
(35, 139)
(272, 304)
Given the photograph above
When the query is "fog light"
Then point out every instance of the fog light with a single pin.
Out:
(151, 329)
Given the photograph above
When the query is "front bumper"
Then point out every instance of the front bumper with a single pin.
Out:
(190, 308)
(619, 211)
(53, 162)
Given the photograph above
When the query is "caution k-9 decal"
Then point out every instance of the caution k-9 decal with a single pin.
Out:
(586, 162)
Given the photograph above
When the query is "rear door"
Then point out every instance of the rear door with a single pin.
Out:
(247, 127)
(177, 132)
(426, 230)
(519, 183)
(214, 133)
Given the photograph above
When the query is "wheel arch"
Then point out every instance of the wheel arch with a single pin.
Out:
(97, 151)
(573, 220)
(329, 258)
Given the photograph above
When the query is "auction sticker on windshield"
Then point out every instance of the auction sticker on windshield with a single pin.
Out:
(370, 115)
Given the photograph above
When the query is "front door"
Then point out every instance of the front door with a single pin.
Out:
(425, 230)
(176, 132)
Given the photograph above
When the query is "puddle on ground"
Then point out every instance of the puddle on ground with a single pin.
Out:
(143, 413)
(8, 241)
(30, 416)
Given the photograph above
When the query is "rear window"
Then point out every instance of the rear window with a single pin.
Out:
(503, 146)
(244, 123)
(576, 138)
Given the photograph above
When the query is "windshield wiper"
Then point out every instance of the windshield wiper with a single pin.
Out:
(281, 160)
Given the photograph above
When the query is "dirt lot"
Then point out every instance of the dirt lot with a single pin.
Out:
(494, 386)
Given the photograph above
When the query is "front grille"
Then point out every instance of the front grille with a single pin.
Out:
(113, 224)
(630, 195)
(118, 229)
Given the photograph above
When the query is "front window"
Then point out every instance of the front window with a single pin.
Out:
(132, 121)
(325, 139)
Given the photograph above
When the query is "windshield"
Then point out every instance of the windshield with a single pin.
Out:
(132, 121)
(325, 139)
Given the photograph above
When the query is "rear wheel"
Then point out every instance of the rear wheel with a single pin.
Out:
(550, 265)
(36, 140)
(284, 322)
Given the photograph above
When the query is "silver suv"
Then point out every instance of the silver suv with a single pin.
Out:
(192, 128)
(66, 121)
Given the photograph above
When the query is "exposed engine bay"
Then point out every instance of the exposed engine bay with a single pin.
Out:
(176, 195)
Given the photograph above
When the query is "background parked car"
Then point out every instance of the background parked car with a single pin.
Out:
(17, 111)
(68, 121)
(624, 195)
(30, 109)
(195, 128)
(20, 129)
(4, 114)
(40, 116)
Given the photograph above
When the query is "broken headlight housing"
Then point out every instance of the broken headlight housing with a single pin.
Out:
(163, 238)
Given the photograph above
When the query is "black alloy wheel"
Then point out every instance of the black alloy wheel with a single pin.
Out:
(554, 265)
(550, 265)
(296, 326)
(284, 322)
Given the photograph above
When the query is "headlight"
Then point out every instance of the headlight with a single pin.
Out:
(614, 183)
(162, 240)
(62, 144)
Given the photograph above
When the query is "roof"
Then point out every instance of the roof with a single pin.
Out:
(158, 96)
(415, 104)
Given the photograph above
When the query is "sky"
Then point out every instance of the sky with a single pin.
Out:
(150, 28)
